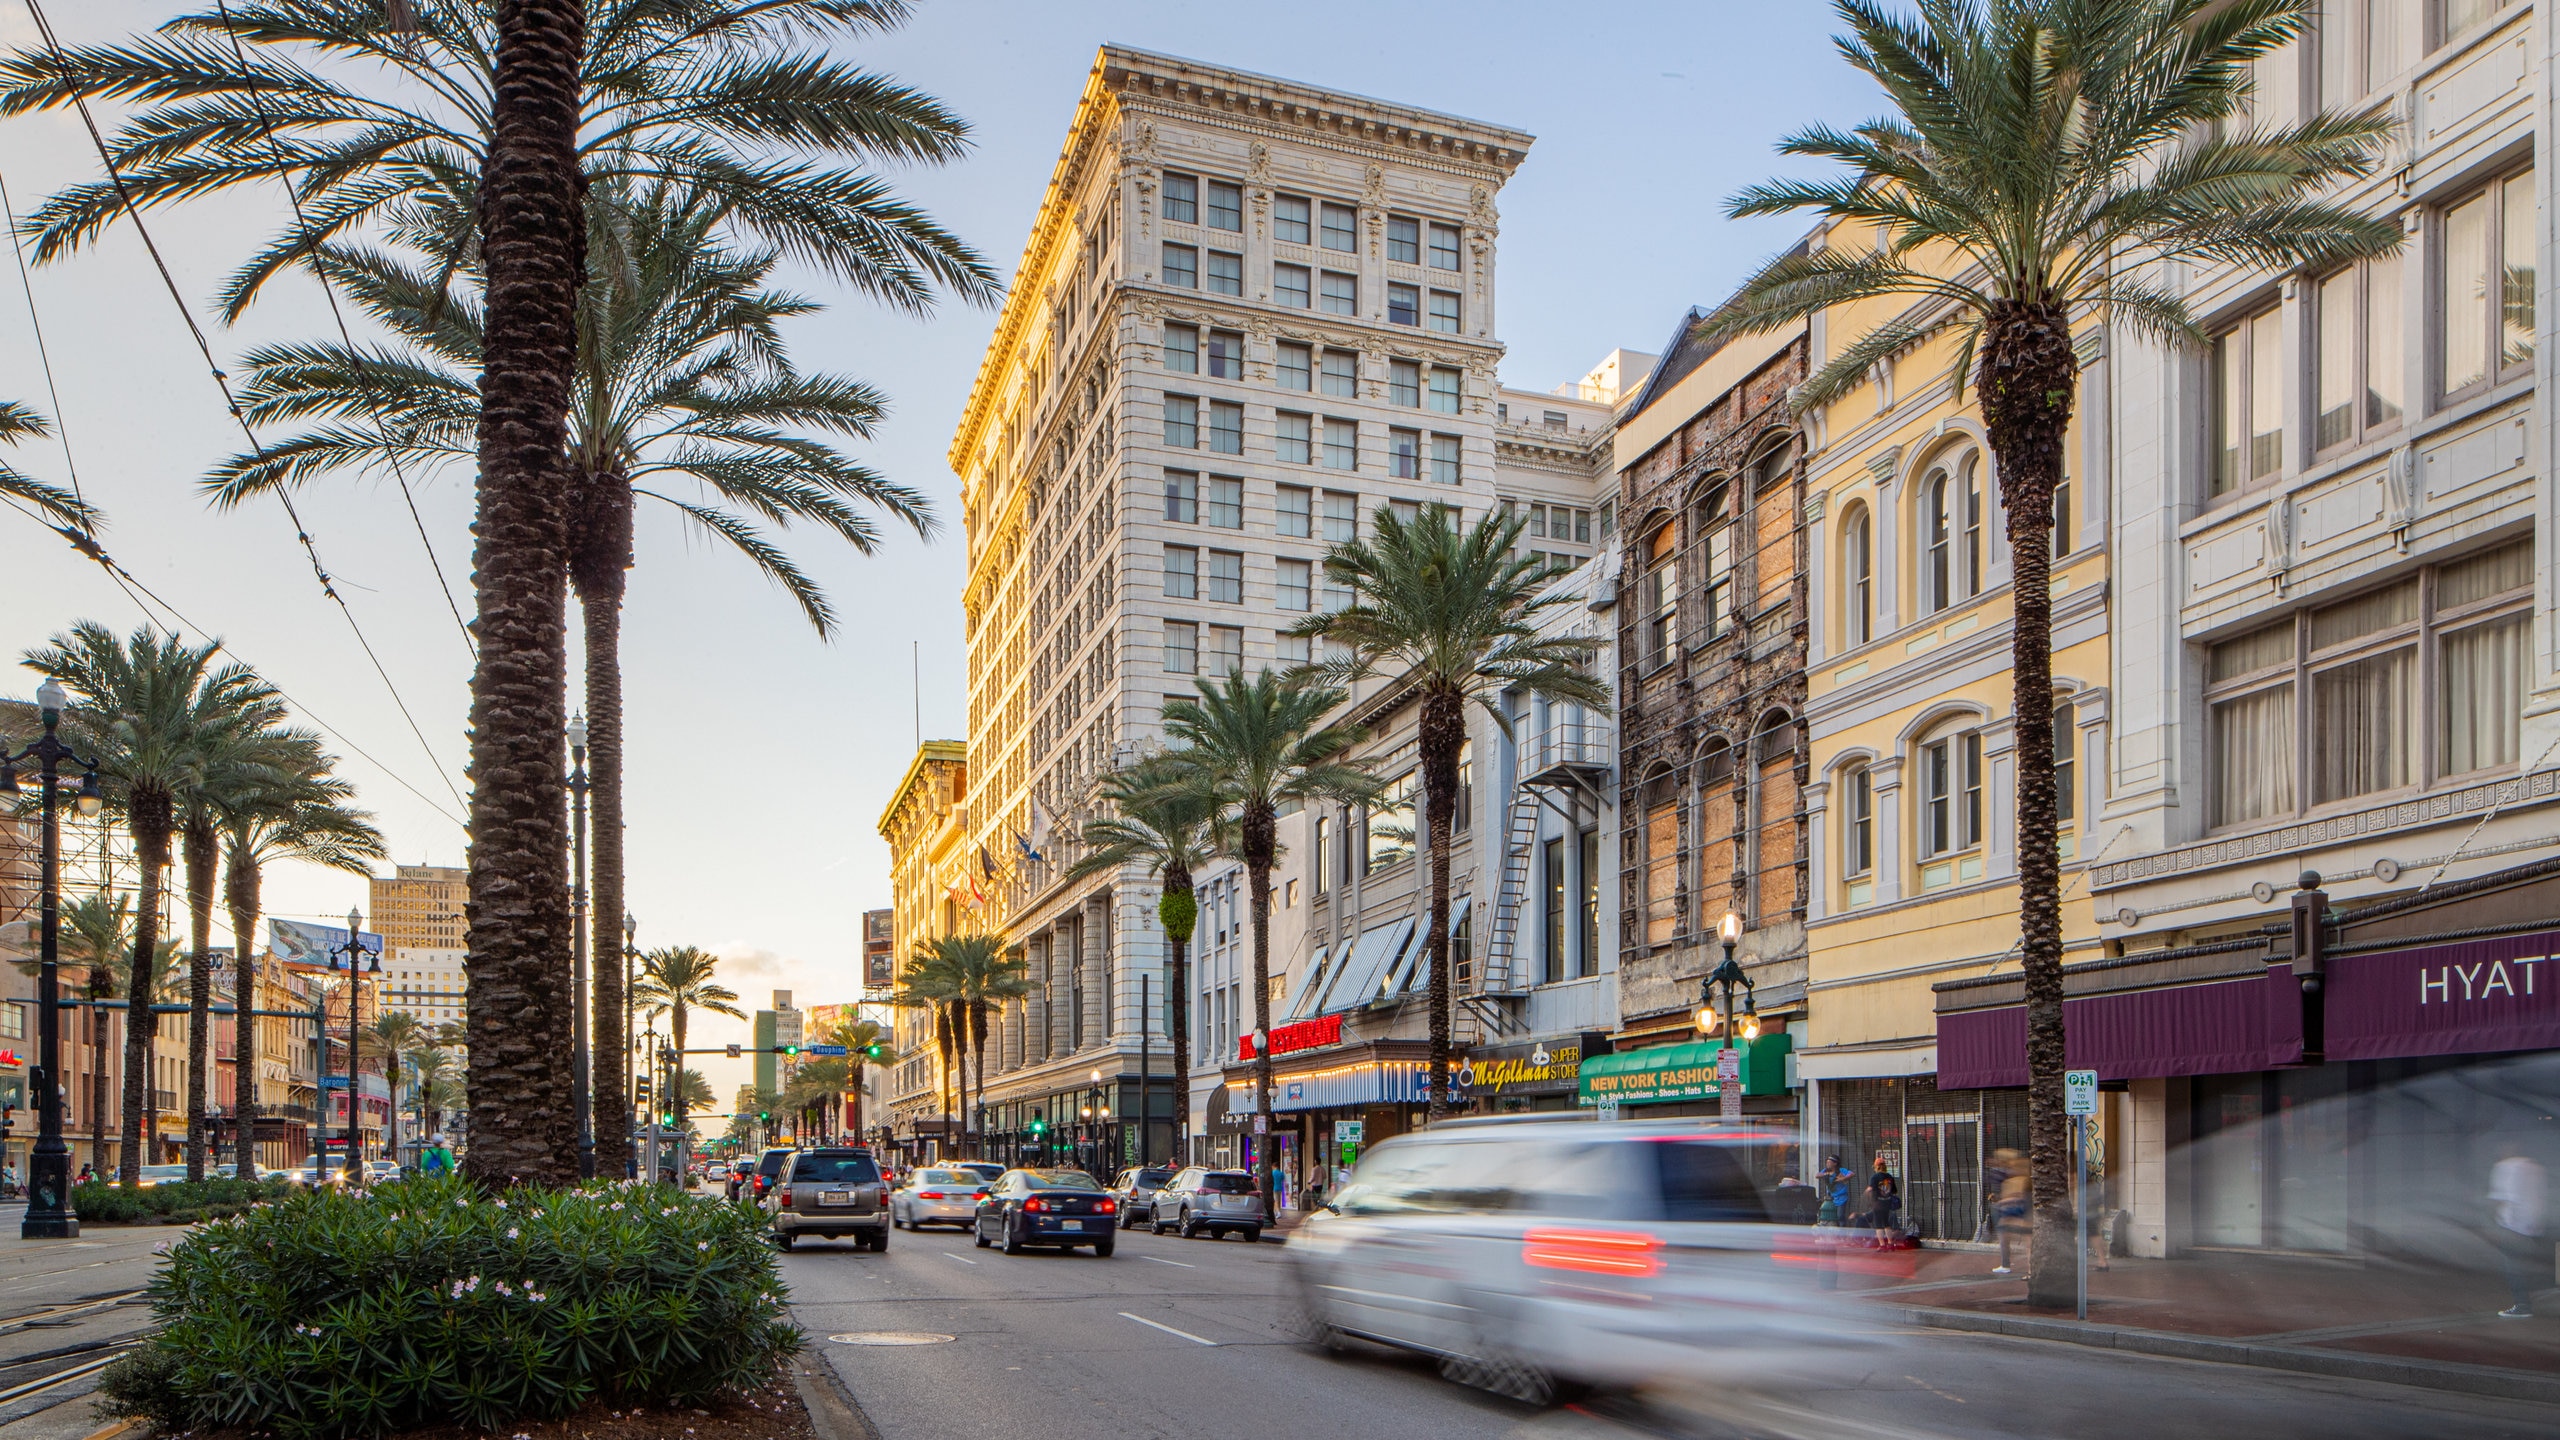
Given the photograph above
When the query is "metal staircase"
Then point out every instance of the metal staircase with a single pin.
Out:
(1520, 836)
(1556, 764)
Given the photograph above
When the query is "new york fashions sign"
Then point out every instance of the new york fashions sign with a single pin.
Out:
(2468, 998)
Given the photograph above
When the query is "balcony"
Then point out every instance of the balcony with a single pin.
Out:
(1568, 753)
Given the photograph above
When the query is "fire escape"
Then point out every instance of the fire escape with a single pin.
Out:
(1564, 768)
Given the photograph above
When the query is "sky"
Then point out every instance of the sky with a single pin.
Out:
(759, 757)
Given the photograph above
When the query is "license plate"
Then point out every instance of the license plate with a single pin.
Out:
(835, 1197)
(1070, 1224)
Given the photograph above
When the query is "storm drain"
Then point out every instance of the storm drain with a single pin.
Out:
(890, 1337)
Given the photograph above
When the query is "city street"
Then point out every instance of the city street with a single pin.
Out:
(63, 1310)
(1180, 1338)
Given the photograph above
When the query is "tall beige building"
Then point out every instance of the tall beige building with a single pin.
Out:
(419, 907)
(1250, 313)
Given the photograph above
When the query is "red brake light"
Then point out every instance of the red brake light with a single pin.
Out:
(1035, 1204)
(928, 1194)
(786, 1194)
(1106, 1207)
(1594, 1252)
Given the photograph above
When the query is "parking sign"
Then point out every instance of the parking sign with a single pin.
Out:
(2079, 1092)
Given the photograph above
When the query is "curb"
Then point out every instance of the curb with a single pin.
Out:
(2338, 1365)
(832, 1411)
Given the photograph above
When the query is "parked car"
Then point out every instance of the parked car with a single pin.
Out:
(940, 1195)
(1536, 1255)
(986, 1170)
(769, 1169)
(830, 1192)
(1198, 1199)
(1060, 1208)
(741, 1174)
(1135, 1189)
(377, 1171)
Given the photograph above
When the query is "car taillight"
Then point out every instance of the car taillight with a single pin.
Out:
(1035, 1204)
(786, 1194)
(1106, 1207)
(928, 1194)
(1594, 1252)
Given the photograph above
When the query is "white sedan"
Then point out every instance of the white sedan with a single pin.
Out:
(937, 1197)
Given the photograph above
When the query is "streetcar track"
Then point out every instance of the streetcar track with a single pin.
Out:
(11, 1324)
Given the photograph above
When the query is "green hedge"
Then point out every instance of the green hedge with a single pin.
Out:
(426, 1302)
(177, 1202)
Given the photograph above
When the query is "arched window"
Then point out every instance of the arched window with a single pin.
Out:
(1661, 857)
(1857, 578)
(2066, 761)
(1715, 547)
(1951, 534)
(1661, 597)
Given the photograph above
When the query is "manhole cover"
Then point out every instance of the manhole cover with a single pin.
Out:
(890, 1337)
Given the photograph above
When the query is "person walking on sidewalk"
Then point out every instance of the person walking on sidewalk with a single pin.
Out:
(2516, 1188)
(1833, 1181)
(2009, 1202)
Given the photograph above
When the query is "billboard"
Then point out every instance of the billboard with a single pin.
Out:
(879, 948)
(296, 942)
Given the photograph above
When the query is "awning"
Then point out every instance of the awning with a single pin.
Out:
(1684, 1072)
(2225, 1028)
(1355, 981)
(2472, 997)
(1310, 981)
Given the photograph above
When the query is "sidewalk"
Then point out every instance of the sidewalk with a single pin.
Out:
(2376, 1319)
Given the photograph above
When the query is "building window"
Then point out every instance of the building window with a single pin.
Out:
(1226, 649)
(1716, 530)
(1318, 852)
(1445, 450)
(1857, 577)
(1589, 901)
(1226, 273)
(1182, 349)
(1295, 508)
(1226, 206)
(1337, 598)
(1182, 198)
(1290, 217)
(1406, 511)
(1951, 793)
(1226, 355)
(2248, 387)
(1858, 823)
(1558, 888)
(2061, 518)
(1404, 383)
(1297, 585)
(1342, 374)
(2456, 16)
(1444, 311)
(2359, 44)
(1297, 367)
(1182, 572)
(1182, 496)
(2066, 762)
(2483, 666)
(1181, 422)
(1341, 444)
(1290, 284)
(1445, 383)
(1226, 577)
(1222, 502)
(1404, 454)
(1182, 266)
(1389, 835)
(1404, 305)
(1951, 534)
(1293, 438)
(1444, 247)
(1341, 227)
(1292, 649)
(1341, 293)
(1404, 239)
(2485, 331)
(1661, 599)
(1181, 647)
(1341, 517)
(2358, 381)
(1226, 427)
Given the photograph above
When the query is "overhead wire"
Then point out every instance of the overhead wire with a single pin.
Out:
(302, 532)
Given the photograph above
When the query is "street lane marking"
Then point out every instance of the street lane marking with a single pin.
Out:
(1932, 1389)
(963, 1259)
(1169, 1330)
(1185, 1264)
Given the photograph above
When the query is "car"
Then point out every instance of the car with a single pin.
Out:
(1538, 1255)
(1199, 1200)
(740, 1174)
(769, 1168)
(1135, 1190)
(830, 1192)
(986, 1170)
(1061, 1209)
(377, 1171)
(938, 1195)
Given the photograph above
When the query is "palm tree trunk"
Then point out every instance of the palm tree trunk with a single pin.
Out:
(151, 844)
(675, 1076)
(98, 1080)
(1177, 881)
(240, 895)
(1261, 848)
(199, 857)
(600, 555)
(977, 1015)
(2028, 377)
(1443, 730)
(532, 230)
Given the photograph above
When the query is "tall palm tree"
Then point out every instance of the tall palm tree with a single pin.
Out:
(1248, 747)
(1164, 827)
(990, 973)
(239, 759)
(1451, 612)
(676, 981)
(2040, 161)
(867, 1043)
(97, 936)
(431, 1087)
(395, 1036)
(930, 984)
(153, 708)
(52, 502)
(294, 811)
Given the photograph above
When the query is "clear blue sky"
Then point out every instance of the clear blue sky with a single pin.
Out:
(761, 758)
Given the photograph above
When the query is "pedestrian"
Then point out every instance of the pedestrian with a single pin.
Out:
(2008, 1202)
(1833, 1181)
(2516, 1188)
(88, 1172)
(1884, 1198)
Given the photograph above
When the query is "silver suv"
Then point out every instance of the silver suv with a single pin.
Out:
(1200, 1199)
(830, 1193)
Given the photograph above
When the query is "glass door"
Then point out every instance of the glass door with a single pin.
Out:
(1942, 1183)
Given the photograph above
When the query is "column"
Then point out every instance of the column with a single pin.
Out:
(1817, 577)
(1817, 849)
(1062, 1008)
(1101, 971)
(1889, 828)
(2148, 1168)
(1036, 1008)
(2000, 799)
(1885, 469)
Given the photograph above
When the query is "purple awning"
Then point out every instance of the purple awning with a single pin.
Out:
(2475, 997)
(2226, 1027)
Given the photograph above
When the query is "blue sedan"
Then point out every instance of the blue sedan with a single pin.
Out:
(1058, 1208)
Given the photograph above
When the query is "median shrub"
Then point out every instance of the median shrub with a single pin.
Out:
(176, 1202)
(330, 1314)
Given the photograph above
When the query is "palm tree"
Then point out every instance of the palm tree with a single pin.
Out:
(1450, 612)
(1162, 826)
(238, 759)
(866, 1043)
(51, 502)
(97, 936)
(154, 707)
(2042, 159)
(990, 973)
(373, 109)
(677, 981)
(395, 1035)
(431, 1087)
(295, 811)
(1248, 747)
(930, 984)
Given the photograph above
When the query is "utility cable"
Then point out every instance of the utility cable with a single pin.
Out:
(302, 533)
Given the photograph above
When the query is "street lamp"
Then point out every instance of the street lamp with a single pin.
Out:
(356, 954)
(1093, 1123)
(49, 1214)
(1726, 976)
(578, 1059)
(630, 1031)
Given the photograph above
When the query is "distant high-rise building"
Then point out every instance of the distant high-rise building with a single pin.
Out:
(420, 907)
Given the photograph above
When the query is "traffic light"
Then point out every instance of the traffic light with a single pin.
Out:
(764, 1117)
(1039, 1126)
(874, 1050)
(786, 1049)
(644, 1090)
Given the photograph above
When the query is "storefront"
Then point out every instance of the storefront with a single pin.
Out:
(1329, 1098)
(1531, 1075)
(1675, 1080)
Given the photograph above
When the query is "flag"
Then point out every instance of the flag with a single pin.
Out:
(1028, 852)
(1039, 826)
(986, 862)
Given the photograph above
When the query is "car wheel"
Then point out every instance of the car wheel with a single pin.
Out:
(1012, 1242)
(1102, 1248)
(978, 1232)
(1154, 1225)
(782, 1239)
(880, 1241)
(1253, 1234)
(1186, 1227)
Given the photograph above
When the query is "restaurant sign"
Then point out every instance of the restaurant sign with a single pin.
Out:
(1305, 1035)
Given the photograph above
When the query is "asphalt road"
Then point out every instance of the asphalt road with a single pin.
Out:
(58, 1304)
(1185, 1339)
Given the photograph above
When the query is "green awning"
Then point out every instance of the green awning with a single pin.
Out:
(1668, 1073)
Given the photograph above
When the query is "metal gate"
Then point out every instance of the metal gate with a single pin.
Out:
(1942, 1176)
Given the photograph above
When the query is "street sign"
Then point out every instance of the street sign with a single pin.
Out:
(1350, 1132)
(1729, 1083)
(1608, 1108)
(822, 1050)
(1261, 1124)
(2079, 1092)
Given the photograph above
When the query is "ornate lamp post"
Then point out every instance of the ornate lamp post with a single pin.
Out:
(1093, 1119)
(579, 1060)
(360, 962)
(630, 1028)
(49, 1214)
(1725, 977)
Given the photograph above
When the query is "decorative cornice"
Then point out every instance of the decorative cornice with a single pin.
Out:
(2330, 830)
(1169, 84)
